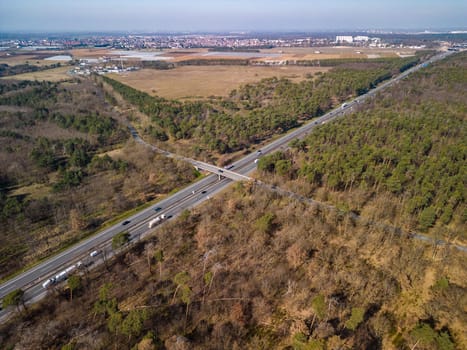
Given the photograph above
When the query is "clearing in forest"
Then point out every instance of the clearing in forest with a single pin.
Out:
(191, 82)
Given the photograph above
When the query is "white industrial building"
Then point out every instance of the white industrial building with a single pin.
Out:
(344, 39)
(361, 38)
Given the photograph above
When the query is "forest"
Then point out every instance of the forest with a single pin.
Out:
(255, 112)
(250, 268)
(253, 270)
(403, 153)
(70, 166)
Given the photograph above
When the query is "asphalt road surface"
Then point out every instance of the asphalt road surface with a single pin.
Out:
(137, 225)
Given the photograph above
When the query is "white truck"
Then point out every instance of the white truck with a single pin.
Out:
(48, 283)
(61, 276)
(156, 221)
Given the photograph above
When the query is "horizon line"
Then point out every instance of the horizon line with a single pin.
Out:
(424, 30)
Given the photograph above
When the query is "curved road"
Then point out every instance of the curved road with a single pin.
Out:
(32, 279)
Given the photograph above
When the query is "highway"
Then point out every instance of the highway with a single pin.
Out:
(137, 225)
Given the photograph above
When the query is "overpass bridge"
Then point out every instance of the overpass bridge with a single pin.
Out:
(189, 197)
(199, 165)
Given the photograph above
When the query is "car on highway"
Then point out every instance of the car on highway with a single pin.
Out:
(95, 253)
(203, 192)
(126, 222)
(228, 167)
(48, 266)
(157, 209)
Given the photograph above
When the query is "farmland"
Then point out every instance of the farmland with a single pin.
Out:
(249, 268)
(338, 52)
(29, 57)
(54, 75)
(190, 82)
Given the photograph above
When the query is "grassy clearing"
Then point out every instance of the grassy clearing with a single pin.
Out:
(33, 191)
(56, 74)
(337, 52)
(204, 81)
(31, 59)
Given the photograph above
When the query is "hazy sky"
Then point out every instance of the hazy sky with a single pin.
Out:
(229, 15)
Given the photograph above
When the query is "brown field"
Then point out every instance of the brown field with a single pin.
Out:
(178, 55)
(56, 74)
(89, 53)
(337, 52)
(35, 58)
(297, 53)
(19, 59)
(204, 81)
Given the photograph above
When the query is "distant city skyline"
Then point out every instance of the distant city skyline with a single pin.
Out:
(229, 15)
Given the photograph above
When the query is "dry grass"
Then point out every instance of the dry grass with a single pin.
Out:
(15, 60)
(54, 132)
(35, 191)
(34, 58)
(89, 53)
(296, 53)
(56, 74)
(118, 153)
(177, 55)
(337, 52)
(204, 81)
